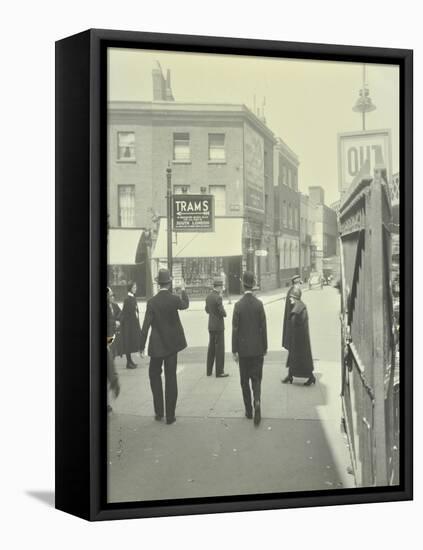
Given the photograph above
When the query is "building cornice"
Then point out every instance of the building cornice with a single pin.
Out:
(178, 110)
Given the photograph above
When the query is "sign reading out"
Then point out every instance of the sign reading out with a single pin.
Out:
(193, 213)
(369, 149)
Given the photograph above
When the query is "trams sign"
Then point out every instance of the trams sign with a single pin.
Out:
(193, 213)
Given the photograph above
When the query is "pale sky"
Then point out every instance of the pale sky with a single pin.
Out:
(307, 102)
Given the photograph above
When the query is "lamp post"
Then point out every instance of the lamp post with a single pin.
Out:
(169, 218)
(364, 102)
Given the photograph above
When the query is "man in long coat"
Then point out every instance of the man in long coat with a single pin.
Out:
(300, 360)
(166, 339)
(216, 311)
(249, 345)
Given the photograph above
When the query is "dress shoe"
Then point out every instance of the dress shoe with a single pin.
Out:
(222, 375)
(257, 414)
(287, 380)
(170, 420)
(131, 366)
(249, 415)
(209, 374)
(310, 381)
(158, 417)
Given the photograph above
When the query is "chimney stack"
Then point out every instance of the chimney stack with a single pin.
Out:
(162, 90)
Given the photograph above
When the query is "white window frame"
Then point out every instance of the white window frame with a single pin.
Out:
(120, 207)
(218, 211)
(122, 158)
(178, 139)
(218, 159)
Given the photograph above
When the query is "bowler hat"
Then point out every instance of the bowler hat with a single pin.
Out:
(163, 277)
(294, 279)
(248, 279)
(217, 281)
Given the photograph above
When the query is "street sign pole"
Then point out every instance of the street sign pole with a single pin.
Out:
(169, 219)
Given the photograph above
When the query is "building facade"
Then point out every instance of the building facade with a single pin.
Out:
(324, 234)
(286, 212)
(306, 244)
(224, 150)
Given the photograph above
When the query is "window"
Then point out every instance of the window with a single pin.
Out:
(284, 215)
(126, 146)
(289, 178)
(268, 261)
(285, 175)
(289, 216)
(126, 205)
(181, 150)
(217, 147)
(219, 193)
(180, 189)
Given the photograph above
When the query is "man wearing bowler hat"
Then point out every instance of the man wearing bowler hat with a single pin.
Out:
(216, 350)
(166, 339)
(249, 345)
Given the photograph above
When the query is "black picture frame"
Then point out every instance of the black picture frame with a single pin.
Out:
(81, 219)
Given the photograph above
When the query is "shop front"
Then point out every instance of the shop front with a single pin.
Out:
(199, 257)
(127, 261)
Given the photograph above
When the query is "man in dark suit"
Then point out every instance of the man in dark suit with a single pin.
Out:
(216, 351)
(249, 345)
(166, 339)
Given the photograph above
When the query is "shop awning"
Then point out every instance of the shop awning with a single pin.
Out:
(225, 240)
(123, 245)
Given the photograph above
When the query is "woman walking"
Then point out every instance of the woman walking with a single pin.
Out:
(130, 326)
(300, 360)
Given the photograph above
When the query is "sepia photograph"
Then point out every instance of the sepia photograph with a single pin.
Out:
(253, 275)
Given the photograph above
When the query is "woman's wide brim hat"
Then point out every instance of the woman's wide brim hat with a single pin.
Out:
(296, 279)
(163, 277)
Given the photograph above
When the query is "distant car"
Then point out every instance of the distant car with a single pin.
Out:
(315, 280)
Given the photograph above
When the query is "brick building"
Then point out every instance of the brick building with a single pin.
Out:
(286, 212)
(220, 149)
(306, 232)
(325, 228)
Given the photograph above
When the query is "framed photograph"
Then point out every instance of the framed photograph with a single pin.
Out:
(233, 312)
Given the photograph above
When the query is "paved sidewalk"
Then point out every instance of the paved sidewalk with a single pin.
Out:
(213, 449)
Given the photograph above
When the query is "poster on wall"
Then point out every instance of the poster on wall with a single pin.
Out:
(254, 169)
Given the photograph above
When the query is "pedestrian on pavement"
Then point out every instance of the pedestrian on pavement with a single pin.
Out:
(112, 323)
(249, 345)
(166, 339)
(216, 311)
(225, 289)
(130, 326)
(300, 360)
(113, 319)
(295, 284)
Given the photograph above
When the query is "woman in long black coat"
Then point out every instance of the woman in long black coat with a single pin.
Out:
(130, 326)
(300, 360)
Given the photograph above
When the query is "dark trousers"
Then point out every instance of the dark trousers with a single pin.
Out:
(251, 369)
(216, 351)
(171, 385)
